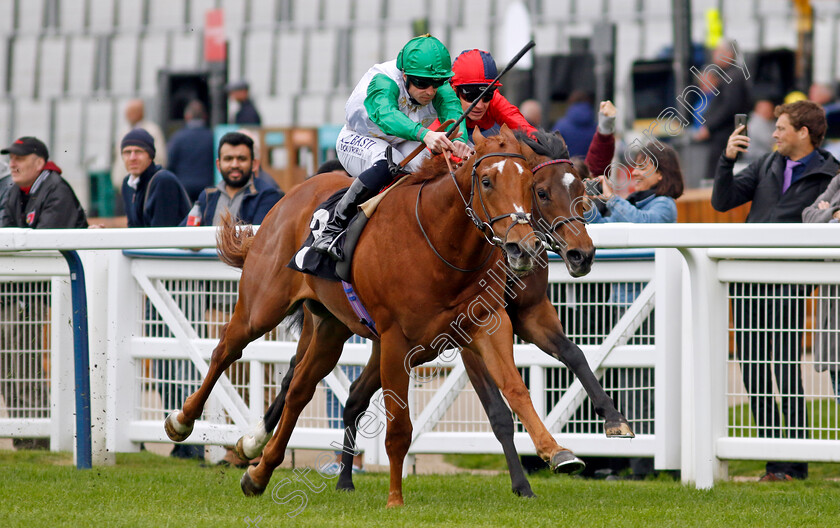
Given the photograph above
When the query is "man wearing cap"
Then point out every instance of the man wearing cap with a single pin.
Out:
(247, 113)
(40, 197)
(135, 117)
(153, 196)
(393, 105)
(474, 70)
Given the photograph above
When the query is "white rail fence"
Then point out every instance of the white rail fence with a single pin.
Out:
(672, 360)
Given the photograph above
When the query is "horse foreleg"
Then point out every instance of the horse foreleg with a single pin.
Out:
(319, 359)
(395, 393)
(500, 419)
(361, 391)
(497, 351)
(540, 326)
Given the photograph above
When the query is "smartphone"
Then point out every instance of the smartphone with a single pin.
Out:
(741, 119)
(593, 187)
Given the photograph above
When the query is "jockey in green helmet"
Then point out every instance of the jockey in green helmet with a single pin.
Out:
(393, 105)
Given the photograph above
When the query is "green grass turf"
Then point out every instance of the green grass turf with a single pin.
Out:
(44, 489)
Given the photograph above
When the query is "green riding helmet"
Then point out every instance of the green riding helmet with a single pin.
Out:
(425, 56)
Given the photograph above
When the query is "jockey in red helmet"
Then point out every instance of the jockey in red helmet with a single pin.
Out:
(473, 71)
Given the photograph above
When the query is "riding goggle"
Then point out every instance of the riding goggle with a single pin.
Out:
(424, 82)
(471, 93)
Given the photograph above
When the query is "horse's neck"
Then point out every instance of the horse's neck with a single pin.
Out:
(442, 204)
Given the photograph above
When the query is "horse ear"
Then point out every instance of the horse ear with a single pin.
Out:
(477, 138)
(505, 130)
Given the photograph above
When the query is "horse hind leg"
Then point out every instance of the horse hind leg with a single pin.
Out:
(361, 392)
(320, 358)
(251, 445)
(500, 419)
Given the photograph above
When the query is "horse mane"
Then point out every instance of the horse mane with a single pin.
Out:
(435, 166)
(544, 143)
(431, 168)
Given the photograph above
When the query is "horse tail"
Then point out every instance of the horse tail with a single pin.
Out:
(233, 240)
(294, 318)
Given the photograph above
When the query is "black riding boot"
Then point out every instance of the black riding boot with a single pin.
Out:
(345, 209)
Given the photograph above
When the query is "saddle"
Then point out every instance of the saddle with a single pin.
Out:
(321, 265)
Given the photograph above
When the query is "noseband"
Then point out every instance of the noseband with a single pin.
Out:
(481, 225)
(547, 237)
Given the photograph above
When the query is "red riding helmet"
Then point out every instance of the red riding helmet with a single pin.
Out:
(474, 67)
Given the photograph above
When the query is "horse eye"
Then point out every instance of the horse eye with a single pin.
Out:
(542, 194)
(486, 183)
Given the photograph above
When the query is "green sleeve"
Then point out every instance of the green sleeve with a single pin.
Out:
(449, 107)
(383, 109)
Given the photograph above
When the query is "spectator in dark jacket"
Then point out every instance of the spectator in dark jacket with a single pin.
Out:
(247, 113)
(191, 151)
(729, 94)
(40, 197)
(246, 198)
(780, 185)
(152, 195)
(578, 125)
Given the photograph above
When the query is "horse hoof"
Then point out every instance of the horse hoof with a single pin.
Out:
(345, 486)
(524, 492)
(175, 430)
(249, 487)
(618, 430)
(566, 462)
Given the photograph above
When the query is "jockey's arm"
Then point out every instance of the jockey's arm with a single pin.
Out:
(383, 109)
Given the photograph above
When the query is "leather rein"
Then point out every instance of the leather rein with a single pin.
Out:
(481, 225)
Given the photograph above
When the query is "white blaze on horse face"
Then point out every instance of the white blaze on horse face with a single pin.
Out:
(518, 208)
(568, 178)
(499, 166)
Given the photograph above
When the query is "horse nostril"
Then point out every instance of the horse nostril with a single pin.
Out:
(513, 250)
(574, 256)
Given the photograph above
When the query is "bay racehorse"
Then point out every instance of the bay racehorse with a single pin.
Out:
(400, 277)
(558, 200)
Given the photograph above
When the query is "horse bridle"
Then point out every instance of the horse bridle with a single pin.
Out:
(548, 237)
(481, 225)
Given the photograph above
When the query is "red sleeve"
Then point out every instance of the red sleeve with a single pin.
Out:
(503, 112)
(600, 153)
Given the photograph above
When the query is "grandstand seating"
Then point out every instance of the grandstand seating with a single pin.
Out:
(81, 68)
(31, 117)
(24, 65)
(153, 54)
(51, 67)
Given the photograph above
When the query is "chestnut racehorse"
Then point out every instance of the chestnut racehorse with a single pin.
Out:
(558, 199)
(405, 278)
